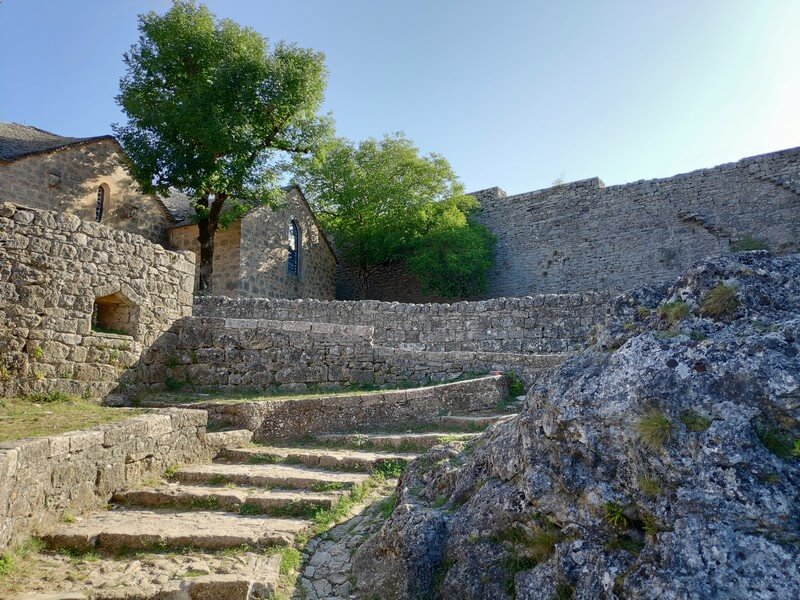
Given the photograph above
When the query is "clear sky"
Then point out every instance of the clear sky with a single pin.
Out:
(515, 93)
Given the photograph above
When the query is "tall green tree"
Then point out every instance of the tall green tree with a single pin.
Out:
(213, 110)
(383, 203)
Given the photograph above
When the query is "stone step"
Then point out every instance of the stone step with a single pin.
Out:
(474, 422)
(245, 576)
(119, 530)
(283, 503)
(394, 441)
(316, 457)
(277, 476)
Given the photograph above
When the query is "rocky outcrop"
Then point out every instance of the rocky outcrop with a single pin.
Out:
(661, 462)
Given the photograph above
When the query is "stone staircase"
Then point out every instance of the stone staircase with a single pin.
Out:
(216, 530)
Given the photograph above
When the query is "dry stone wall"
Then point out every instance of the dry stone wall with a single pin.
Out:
(44, 479)
(56, 272)
(541, 324)
(295, 418)
(588, 236)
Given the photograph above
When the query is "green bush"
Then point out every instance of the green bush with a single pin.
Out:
(515, 385)
(675, 311)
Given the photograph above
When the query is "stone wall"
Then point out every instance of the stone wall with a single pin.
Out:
(55, 271)
(393, 283)
(66, 180)
(44, 479)
(288, 419)
(229, 354)
(586, 236)
(540, 324)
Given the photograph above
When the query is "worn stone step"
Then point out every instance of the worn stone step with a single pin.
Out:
(473, 422)
(325, 458)
(219, 498)
(245, 576)
(278, 476)
(146, 529)
(395, 441)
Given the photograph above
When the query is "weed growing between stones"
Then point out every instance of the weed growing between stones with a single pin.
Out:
(564, 591)
(390, 468)
(649, 485)
(673, 312)
(515, 385)
(654, 429)
(14, 559)
(615, 515)
(747, 242)
(719, 302)
(694, 421)
(526, 546)
(775, 439)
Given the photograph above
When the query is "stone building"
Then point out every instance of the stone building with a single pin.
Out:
(278, 253)
(83, 176)
(268, 253)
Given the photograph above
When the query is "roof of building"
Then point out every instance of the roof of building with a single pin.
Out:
(18, 141)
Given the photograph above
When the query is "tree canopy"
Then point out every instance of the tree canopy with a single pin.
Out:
(383, 203)
(212, 111)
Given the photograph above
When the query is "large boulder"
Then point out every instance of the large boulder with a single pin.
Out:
(661, 462)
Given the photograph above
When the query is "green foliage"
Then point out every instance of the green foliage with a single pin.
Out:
(386, 507)
(719, 302)
(673, 312)
(515, 385)
(250, 509)
(776, 439)
(694, 421)
(54, 397)
(290, 560)
(37, 353)
(174, 385)
(615, 515)
(564, 591)
(15, 557)
(642, 312)
(171, 361)
(526, 547)
(213, 110)
(654, 429)
(649, 485)
(627, 543)
(747, 242)
(389, 468)
(384, 203)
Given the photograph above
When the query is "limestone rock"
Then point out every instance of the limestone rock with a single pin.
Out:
(658, 463)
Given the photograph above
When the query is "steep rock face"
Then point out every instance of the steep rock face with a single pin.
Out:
(662, 462)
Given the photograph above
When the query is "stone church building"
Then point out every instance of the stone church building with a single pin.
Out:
(280, 253)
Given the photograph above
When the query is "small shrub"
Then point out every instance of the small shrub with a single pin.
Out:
(673, 312)
(719, 302)
(642, 312)
(37, 353)
(515, 385)
(615, 515)
(746, 242)
(654, 429)
(649, 485)
(694, 421)
(171, 470)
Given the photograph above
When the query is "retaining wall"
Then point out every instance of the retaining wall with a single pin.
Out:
(539, 324)
(43, 479)
(53, 267)
(217, 353)
(295, 418)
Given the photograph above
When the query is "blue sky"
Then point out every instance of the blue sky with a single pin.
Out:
(513, 93)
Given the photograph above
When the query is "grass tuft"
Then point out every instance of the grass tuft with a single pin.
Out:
(776, 440)
(747, 242)
(719, 302)
(694, 421)
(673, 312)
(649, 485)
(615, 515)
(654, 429)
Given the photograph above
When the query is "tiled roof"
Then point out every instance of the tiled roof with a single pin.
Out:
(18, 141)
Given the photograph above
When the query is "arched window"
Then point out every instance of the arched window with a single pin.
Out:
(293, 263)
(98, 206)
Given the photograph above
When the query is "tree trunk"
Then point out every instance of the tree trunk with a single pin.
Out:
(207, 231)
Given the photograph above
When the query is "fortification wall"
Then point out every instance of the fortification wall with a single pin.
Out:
(56, 271)
(586, 236)
(43, 479)
(540, 324)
